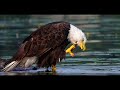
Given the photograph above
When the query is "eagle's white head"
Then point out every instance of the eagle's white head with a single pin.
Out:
(77, 37)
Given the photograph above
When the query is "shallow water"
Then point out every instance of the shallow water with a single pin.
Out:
(102, 56)
(77, 66)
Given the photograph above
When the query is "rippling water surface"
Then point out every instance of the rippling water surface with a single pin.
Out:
(102, 56)
(77, 65)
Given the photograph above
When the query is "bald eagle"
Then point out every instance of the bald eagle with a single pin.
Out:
(45, 47)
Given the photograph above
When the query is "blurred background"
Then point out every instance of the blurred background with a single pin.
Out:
(102, 32)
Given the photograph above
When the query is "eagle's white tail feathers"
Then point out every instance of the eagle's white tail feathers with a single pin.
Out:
(11, 66)
(25, 63)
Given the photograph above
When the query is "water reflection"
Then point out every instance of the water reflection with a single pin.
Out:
(80, 67)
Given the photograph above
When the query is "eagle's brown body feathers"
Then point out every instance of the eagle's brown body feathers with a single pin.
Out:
(47, 43)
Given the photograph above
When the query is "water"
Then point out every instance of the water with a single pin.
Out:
(87, 70)
(102, 56)
(88, 66)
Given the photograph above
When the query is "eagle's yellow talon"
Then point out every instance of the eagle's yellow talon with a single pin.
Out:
(72, 54)
(69, 50)
(54, 68)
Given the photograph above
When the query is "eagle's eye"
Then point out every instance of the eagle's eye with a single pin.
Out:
(82, 39)
(76, 42)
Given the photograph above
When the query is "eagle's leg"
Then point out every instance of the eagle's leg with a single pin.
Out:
(54, 68)
(71, 48)
(47, 69)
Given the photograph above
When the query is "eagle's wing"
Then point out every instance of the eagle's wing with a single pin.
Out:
(39, 42)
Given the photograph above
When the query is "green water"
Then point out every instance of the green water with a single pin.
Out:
(102, 56)
(79, 65)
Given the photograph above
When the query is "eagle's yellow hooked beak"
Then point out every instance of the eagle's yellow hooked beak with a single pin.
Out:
(82, 46)
(69, 50)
